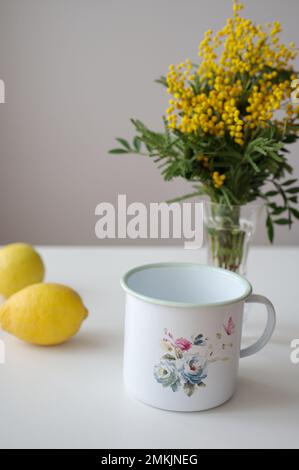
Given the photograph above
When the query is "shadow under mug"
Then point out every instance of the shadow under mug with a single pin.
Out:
(183, 330)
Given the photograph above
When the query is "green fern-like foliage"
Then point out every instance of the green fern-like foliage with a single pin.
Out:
(263, 160)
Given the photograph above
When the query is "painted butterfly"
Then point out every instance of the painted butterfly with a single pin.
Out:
(230, 327)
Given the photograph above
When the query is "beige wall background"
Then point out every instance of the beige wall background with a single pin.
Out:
(75, 72)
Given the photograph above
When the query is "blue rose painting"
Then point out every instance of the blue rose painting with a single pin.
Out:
(184, 365)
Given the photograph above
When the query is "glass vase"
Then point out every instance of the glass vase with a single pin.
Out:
(229, 230)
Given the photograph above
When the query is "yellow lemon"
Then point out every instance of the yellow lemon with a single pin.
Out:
(43, 314)
(20, 266)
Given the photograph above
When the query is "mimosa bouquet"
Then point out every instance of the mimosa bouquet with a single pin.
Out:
(227, 127)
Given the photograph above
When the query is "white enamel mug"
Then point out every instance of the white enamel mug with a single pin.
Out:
(183, 331)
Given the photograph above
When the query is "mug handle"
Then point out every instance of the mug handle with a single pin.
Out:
(271, 321)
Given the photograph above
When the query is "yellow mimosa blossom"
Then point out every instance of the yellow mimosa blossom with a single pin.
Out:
(235, 88)
(218, 179)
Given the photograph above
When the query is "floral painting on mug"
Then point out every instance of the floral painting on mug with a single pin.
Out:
(185, 362)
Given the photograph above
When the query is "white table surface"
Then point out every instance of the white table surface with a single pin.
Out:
(72, 395)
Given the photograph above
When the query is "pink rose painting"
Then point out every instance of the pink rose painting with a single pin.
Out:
(184, 364)
(183, 343)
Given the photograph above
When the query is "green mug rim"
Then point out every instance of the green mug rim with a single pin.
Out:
(168, 303)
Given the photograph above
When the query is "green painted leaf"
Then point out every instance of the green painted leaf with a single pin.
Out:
(199, 340)
(178, 353)
(168, 357)
(175, 386)
(189, 389)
